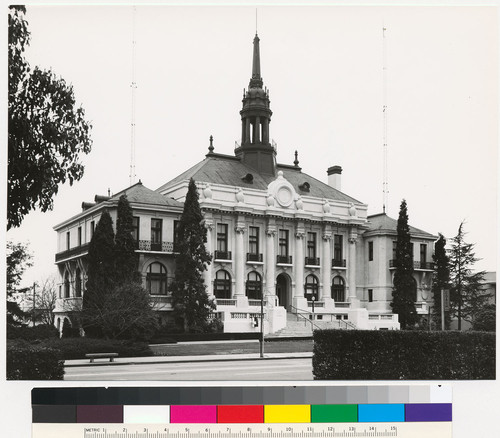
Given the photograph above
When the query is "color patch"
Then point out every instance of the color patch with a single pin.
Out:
(428, 412)
(193, 414)
(146, 414)
(240, 414)
(287, 414)
(377, 413)
(334, 413)
(54, 414)
(99, 414)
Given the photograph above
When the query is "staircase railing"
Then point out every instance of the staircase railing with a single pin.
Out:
(295, 311)
(300, 313)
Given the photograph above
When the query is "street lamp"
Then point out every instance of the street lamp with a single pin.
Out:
(313, 298)
(261, 323)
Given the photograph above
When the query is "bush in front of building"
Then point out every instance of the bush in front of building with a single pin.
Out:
(77, 348)
(39, 332)
(395, 355)
(27, 361)
(485, 319)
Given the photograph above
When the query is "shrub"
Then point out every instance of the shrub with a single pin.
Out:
(33, 362)
(394, 355)
(77, 348)
(42, 331)
(485, 319)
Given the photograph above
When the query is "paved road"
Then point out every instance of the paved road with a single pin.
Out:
(268, 369)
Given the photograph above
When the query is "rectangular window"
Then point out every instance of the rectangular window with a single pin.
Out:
(253, 240)
(411, 250)
(176, 235)
(92, 229)
(67, 240)
(338, 247)
(370, 251)
(394, 243)
(370, 295)
(79, 236)
(156, 228)
(423, 253)
(311, 245)
(135, 228)
(222, 238)
(283, 243)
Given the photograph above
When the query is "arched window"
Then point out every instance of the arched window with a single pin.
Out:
(66, 285)
(78, 283)
(311, 287)
(254, 286)
(156, 279)
(222, 284)
(338, 289)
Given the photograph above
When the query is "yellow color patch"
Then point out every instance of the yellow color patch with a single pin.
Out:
(287, 413)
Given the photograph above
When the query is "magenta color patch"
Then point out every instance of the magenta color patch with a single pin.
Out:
(193, 414)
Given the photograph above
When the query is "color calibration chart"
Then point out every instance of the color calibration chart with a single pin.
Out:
(246, 412)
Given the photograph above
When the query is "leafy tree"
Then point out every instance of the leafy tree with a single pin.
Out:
(440, 280)
(189, 296)
(485, 319)
(18, 260)
(404, 291)
(467, 297)
(100, 272)
(126, 259)
(47, 133)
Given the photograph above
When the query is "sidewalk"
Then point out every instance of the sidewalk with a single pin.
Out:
(183, 359)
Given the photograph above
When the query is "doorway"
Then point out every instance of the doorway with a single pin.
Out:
(283, 290)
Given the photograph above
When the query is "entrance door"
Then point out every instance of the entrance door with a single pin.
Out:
(282, 290)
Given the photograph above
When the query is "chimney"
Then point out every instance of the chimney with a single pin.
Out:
(334, 174)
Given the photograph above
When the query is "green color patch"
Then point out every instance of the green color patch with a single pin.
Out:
(334, 413)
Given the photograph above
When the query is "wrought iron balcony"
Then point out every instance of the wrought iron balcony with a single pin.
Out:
(338, 263)
(285, 260)
(73, 252)
(416, 265)
(222, 255)
(254, 257)
(149, 245)
(312, 261)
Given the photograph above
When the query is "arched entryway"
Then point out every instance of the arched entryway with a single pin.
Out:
(283, 290)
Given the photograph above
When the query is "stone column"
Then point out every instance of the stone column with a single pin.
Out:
(299, 301)
(239, 266)
(247, 131)
(265, 130)
(353, 299)
(270, 264)
(257, 130)
(326, 270)
(207, 275)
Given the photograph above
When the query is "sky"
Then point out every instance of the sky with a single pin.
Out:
(323, 68)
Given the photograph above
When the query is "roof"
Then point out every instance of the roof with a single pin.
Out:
(139, 194)
(382, 222)
(229, 170)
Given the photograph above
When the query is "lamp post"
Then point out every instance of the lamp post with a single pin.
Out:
(313, 298)
(261, 324)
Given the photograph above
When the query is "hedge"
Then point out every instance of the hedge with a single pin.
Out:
(33, 362)
(77, 348)
(189, 337)
(394, 355)
(41, 331)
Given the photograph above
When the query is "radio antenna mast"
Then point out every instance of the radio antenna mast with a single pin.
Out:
(133, 86)
(385, 184)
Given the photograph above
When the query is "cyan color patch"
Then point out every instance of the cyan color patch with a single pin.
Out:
(377, 413)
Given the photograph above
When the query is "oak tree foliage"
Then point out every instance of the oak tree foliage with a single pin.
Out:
(47, 132)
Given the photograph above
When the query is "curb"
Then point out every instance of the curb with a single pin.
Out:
(222, 359)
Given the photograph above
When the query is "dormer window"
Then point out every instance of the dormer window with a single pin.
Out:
(305, 186)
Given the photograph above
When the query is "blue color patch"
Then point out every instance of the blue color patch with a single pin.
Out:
(376, 413)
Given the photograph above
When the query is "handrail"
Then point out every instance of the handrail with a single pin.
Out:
(305, 319)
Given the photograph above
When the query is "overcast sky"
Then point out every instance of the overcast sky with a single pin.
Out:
(323, 67)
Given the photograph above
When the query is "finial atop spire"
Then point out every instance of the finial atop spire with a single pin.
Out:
(256, 81)
(296, 162)
(211, 147)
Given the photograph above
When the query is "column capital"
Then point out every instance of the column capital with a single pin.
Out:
(300, 234)
(209, 224)
(326, 237)
(239, 229)
(271, 232)
(353, 239)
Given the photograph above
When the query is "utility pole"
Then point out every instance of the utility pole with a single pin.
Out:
(34, 305)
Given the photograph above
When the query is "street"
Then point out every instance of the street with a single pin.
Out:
(258, 369)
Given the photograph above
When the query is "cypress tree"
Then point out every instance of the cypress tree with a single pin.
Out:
(404, 291)
(189, 295)
(100, 272)
(126, 259)
(440, 280)
(467, 298)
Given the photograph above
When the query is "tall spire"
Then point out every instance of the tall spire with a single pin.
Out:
(256, 81)
(256, 149)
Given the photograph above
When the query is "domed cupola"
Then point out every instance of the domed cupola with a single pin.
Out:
(256, 150)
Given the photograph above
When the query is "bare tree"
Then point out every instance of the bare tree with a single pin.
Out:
(40, 305)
